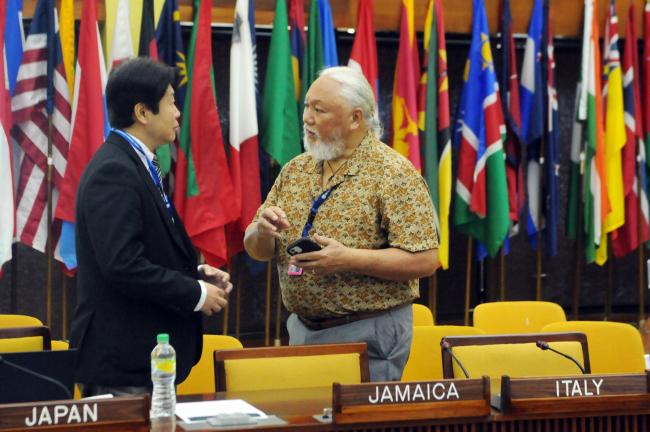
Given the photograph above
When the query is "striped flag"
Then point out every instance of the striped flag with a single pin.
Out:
(509, 83)
(405, 139)
(532, 119)
(635, 230)
(481, 209)
(614, 134)
(434, 122)
(551, 150)
(595, 199)
(41, 91)
(89, 123)
(203, 184)
(244, 155)
(7, 204)
(298, 39)
(121, 45)
(364, 49)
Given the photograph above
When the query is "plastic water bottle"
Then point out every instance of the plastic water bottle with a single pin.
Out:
(163, 374)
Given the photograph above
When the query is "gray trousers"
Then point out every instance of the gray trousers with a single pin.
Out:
(388, 337)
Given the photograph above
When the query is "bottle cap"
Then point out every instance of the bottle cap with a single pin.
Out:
(163, 338)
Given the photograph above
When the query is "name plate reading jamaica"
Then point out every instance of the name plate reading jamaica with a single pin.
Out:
(412, 392)
(132, 409)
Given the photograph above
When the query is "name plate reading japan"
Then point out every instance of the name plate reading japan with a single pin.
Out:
(66, 414)
(575, 393)
(390, 401)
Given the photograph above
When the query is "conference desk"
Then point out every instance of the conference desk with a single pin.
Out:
(297, 408)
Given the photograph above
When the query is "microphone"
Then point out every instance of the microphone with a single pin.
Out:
(544, 346)
(37, 375)
(447, 347)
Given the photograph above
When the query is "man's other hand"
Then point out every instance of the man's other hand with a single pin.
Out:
(216, 277)
(271, 222)
(216, 299)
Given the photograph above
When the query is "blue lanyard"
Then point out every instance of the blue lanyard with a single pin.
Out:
(152, 169)
(315, 205)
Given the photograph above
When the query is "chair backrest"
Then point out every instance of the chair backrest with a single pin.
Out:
(16, 339)
(515, 355)
(425, 359)
(297, 366)
(10, 320)
(509, 317)
(613, 347)
(201, 377)
(422, 315)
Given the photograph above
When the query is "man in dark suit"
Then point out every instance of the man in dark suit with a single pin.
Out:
(137, 273)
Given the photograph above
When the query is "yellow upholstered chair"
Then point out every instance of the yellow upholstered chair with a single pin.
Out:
(291, 367)
(515, 355)
(425, 360)
(422, 315)
(613, 347)
(201, 377)
(16, 339)
(10, 320)
(509, 317)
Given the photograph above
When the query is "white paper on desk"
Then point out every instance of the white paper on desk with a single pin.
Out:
(201, 411)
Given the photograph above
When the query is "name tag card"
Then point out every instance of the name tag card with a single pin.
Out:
(390, 401)
(575, 393)
(65, 414)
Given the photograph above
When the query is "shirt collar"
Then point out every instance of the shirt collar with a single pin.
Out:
(148, 153)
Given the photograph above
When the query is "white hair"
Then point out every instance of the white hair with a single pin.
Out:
(357, 93)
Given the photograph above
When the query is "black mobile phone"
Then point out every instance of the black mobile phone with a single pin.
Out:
(303, 245)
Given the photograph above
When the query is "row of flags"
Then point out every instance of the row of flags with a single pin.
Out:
(217, 192)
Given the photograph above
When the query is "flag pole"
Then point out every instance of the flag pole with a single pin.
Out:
(610, 282)
(433, 294)
(468, 279)
(640, 251)
(14, 278)
(502, 275)
(267, 316)
(278, 318)
(64, 306)
(49, 244)
(224, 311)
(538, 276)
(238, 301)
(578, 252)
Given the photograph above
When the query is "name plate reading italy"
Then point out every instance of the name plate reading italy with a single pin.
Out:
(389, 401)
(575, 393)
(67, 414)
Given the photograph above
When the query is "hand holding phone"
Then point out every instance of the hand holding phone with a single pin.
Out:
(303, 245)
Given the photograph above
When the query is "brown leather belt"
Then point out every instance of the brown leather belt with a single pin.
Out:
(325, 323)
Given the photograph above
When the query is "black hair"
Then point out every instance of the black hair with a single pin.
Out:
(139, 80)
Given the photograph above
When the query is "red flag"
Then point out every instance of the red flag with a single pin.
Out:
(204, 189)
(364, 48)
(88, 115)
(629, 236)
(405, 109)
(244, 156)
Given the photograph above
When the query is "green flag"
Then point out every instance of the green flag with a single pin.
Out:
(279, 131)
(314, 56)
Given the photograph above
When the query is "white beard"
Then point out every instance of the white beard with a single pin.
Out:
(321, 149)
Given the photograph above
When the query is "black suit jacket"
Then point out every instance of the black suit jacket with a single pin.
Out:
(137, 274)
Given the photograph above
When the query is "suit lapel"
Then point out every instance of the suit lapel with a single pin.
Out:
(151, 187)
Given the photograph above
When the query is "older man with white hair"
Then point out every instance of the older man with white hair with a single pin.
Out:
(370, 217)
